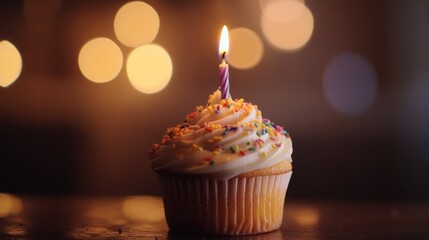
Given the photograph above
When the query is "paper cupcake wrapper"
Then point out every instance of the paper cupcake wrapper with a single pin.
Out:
(237, 206)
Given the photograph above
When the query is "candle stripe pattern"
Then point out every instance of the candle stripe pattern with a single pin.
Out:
(224, 80)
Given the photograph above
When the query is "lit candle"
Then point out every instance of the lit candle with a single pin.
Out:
(223, 67)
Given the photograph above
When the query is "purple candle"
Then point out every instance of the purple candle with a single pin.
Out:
(223, 67)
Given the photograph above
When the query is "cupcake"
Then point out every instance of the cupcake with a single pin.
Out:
(224, 170)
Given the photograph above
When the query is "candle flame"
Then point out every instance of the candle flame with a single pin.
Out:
(224, 42)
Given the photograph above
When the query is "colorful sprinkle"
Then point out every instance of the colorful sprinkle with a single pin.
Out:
(232, 149)
(226, 131)
(285, 133)
(191, 115)
(259, 142)
(173, 135)
(217, 138)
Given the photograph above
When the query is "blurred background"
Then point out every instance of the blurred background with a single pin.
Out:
(88, 86)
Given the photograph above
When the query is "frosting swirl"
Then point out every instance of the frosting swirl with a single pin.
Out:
(221, 140)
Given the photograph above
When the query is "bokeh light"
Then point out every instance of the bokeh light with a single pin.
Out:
(10, 63)
(284, 10)
(149, 68)
(9, 204)
(136, 23)
(287, 24)
(143, 208)
(265, 3)
(246, 48)
(305, 216)
(350, 83)
(100, 60)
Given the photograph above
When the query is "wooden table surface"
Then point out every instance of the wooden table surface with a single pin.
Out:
(142, 217)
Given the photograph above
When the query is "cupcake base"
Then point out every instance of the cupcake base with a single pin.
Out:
(238, 206)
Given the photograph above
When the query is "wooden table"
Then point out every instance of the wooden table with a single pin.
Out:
(141, 217)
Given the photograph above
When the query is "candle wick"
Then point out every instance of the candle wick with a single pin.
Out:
(223, 55)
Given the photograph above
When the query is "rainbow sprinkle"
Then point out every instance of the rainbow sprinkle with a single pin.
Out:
(260, 126)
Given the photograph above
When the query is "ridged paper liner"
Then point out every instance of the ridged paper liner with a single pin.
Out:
(238, 206)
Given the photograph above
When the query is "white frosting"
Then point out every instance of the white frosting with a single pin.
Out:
(204, 146)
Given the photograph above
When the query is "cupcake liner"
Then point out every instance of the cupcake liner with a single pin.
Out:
(238, 206)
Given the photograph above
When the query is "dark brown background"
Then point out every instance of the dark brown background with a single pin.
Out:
(62, 134)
